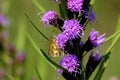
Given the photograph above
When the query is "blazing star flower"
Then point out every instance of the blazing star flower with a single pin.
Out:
(50, 17)
(92, 15)
(97, 57)
(72, 29)
(74, 5)
(70, 62)
(95, 39)
(61, 40)
(92, 62)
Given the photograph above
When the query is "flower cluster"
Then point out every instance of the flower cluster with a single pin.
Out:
(71, 24)
(95, 39)
(70, 62)
(50, 17)
(72, 28)
(75, 5)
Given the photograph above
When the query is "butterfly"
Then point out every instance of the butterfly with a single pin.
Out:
(54, 51)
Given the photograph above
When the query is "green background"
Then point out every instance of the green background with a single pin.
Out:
(107, 12)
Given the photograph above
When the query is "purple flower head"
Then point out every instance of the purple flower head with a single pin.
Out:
(95, 39)
(74, 5)
(92, 15)
(61, 40)
(70, 62)
(97, 57)
(50, 17)
(72, 28)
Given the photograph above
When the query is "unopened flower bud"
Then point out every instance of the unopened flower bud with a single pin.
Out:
(92, 63)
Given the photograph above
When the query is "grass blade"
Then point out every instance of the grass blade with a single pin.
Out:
(112, 36)
(38, 74)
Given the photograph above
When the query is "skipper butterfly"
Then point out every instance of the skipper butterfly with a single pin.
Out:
(54, 51)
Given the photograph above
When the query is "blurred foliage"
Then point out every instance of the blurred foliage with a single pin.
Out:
(107, 12)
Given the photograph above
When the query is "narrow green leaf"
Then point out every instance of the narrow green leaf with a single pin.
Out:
(36, 27)
(38, 74)
(101, 68)
(107, 54)
(112, 45)
(38, 5)
(118, 24)
(61, 11)
(64, 8)
(112, 36)
(42, 53)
